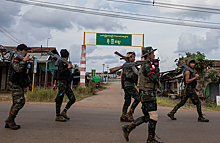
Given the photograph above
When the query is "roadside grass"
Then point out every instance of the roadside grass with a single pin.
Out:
(164, 101)
(48, 95)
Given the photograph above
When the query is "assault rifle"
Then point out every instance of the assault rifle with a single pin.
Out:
(187, 67)
(128, 63)
(122, 57)
(57, 58)
(13, 53)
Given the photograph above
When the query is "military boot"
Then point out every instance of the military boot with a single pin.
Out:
(63, 114)
(171, 115)
(127, 129)
(60, 119)
(130, 116)
(151, 138)
(124, 118)
(202, 119)
(10, 123)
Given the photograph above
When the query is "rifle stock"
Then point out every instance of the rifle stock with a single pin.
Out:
(57, 58)
(122, 57)
(12, 52)
(112, 70)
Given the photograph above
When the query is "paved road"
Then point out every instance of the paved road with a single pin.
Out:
(96, 120)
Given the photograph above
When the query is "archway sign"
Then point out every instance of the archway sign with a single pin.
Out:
(105, 39)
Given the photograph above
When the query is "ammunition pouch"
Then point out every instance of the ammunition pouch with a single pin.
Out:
(18, 78)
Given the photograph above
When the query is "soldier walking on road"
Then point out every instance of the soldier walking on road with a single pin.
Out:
(148, 83)
(63, 77)
(129, 79)
(190, 82)
(18, 80)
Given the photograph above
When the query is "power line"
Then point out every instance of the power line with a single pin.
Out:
(108, 14)
(192, 4)
(125, 13)
(178, 5)
(10, 34)
(166, 5)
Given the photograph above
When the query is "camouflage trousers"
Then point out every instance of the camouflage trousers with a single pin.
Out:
(18, 99)
(149, 109)
(130, 91)
(189, 93)
(63, 88)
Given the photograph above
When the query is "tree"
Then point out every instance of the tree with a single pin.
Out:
(204, 67)
(105, 72)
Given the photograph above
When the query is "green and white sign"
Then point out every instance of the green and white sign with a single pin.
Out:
(108, 39)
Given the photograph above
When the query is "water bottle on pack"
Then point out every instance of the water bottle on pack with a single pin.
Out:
(28, 67)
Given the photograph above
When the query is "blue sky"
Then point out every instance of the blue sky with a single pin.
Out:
(33, 25)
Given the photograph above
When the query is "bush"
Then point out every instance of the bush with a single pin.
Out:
(48, 95)
(41, 95)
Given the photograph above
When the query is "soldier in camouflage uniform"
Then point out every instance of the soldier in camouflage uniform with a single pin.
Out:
(148, 83)
(129, 79)
(190, 82)
(63, 76)
(18, 80)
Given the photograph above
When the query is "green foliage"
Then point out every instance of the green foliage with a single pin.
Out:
(90, 89)
(177, 69)
(48, 95)
(214, 63)
(41, 95)
(162, 101)
(199, 56)
(184, 59)
(214, 78)
(202, 73)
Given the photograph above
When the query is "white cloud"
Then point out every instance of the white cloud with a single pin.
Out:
(192, 43)
(33, 25)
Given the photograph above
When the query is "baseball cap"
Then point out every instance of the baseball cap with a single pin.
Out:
(23, 47)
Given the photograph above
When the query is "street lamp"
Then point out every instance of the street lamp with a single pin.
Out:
(103, 68)
(107, 69)
(47, 41)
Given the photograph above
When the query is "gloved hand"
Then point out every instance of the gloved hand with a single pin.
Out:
(155, 63)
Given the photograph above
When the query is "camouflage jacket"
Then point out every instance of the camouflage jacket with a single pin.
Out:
(150, 72)
(17, 72)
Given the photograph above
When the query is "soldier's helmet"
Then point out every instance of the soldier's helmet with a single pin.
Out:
(147, 50)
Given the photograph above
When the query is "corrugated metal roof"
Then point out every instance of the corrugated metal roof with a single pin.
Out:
(35, 49)
(38, 52)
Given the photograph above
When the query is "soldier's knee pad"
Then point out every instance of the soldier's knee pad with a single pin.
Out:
(153, 115)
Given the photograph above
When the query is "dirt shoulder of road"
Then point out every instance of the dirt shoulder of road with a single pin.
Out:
(110, 98)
